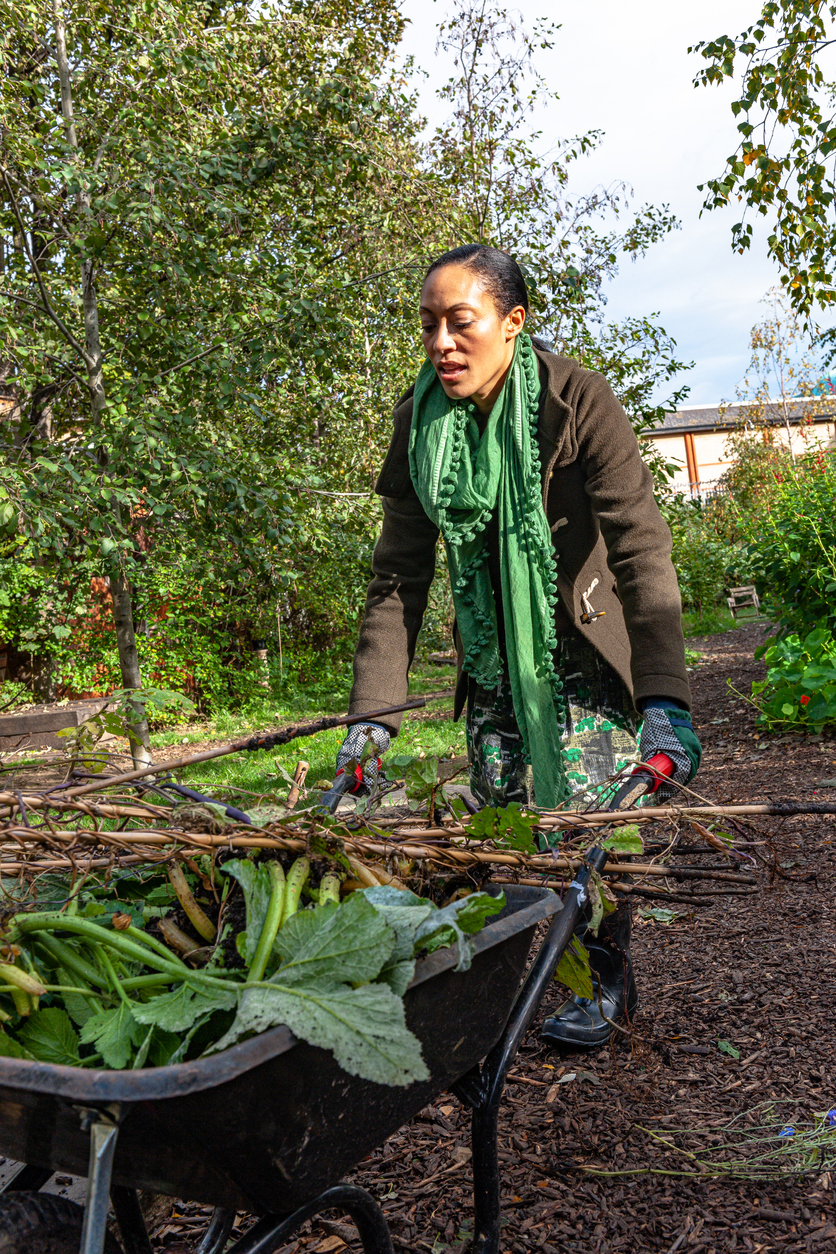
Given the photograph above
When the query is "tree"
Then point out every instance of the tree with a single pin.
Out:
(510, 195)
(184, 185)
(782, 167)
(781, 369)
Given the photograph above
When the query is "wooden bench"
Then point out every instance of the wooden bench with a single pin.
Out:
(743, 598)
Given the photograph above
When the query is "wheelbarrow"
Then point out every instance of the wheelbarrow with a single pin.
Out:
(273, 1125)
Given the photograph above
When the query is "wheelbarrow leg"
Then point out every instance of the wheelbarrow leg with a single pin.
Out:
(104, 1129)
(368, 1218)
(217, 1234)
(482, 1088)
(130, 1219)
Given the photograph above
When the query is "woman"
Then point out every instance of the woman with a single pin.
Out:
(568, 627)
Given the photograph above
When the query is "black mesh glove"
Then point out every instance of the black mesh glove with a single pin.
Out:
(667, 729)
(352, 750)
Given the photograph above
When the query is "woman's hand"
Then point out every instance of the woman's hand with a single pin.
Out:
(667, 729)
(360, 754)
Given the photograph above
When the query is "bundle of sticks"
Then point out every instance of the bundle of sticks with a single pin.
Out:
(68, 827)
(47, 832)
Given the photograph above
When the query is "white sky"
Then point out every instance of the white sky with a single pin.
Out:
(623, 67)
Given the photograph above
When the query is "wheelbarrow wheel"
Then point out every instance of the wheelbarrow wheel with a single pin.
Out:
(41, 1223)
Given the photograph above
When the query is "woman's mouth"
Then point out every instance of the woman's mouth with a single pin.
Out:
(450, 372)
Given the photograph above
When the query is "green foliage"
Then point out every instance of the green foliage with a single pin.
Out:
(82, 742)
(233, 193)
(758, 462)
(782, 168)
(705, 561)
(247, 205)
(510, 827)
(799, 691)
(624, 840)
(791, 542)
(509, 195)
(574, 971)
(421, 779)
(709, 623)
(421, 927)
(335, 974)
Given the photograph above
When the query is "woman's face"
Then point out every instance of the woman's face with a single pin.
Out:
(468, 343)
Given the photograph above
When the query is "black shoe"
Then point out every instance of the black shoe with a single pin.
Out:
(579, 1023)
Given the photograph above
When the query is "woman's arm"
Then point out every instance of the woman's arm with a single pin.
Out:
(638, 542)
(403, 566)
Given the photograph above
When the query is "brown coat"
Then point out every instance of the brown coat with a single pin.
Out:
(598, 496)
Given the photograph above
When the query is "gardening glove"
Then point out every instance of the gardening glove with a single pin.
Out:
(667, 729)
(352, 749)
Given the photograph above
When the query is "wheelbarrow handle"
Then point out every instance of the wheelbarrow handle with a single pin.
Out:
(343, 782)
(645, 778)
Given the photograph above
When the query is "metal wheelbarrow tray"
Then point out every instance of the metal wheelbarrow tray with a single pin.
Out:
(273, 1124)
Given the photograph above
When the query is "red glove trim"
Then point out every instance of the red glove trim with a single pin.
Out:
(660, 765)
(358, 775)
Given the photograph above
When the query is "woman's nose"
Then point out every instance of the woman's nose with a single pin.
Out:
(444, 341)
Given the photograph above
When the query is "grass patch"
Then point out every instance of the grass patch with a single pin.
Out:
(711, 622)
(262, 773)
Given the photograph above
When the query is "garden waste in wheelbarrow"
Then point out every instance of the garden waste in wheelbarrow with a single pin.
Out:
(272, 1124)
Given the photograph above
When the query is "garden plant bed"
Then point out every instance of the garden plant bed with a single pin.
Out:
(756, 972)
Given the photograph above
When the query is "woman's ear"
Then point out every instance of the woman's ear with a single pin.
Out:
(514, 322)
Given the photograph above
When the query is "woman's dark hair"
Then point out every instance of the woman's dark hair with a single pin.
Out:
(502, 276)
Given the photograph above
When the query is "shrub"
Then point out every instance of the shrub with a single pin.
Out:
(706, 562)
(791, 543)
(800, 686)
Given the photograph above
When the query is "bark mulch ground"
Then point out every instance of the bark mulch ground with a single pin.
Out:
(736, 1022)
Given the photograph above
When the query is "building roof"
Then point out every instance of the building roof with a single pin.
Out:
(723, 417)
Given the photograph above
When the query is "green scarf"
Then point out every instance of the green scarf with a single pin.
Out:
(461, 476)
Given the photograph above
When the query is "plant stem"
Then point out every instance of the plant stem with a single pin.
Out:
(272, 920)
(114, 978)
(98, 937)
(147, 981)
(163, 950)
(201, 923)
(69, 960)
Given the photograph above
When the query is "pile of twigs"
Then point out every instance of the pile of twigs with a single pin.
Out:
(98, 825)
(48, 830)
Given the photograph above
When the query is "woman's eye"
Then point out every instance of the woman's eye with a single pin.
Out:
(462, 326)
(427, 330)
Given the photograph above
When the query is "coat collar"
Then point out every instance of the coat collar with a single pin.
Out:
(556, 434)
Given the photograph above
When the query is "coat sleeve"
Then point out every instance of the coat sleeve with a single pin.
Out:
(403, 566)
(638, 542)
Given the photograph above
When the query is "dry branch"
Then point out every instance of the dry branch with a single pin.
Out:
(261, 740)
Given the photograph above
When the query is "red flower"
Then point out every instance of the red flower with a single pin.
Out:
(803, 700)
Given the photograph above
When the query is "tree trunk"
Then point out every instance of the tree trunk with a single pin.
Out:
(120, 588)
(123, 616)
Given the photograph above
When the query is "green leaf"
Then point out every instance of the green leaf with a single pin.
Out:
(364, 1027)
(455, 923)
(420, 778)
(726, 1047)
(625, 840)
(78, 1007)
(11, 1048)
(113, 1033)
(255, 882)
(177, 1010)
(347, 944)
(49, 1036)
(509, 826)
(404, 913)
(573, 970)
(661, 914)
